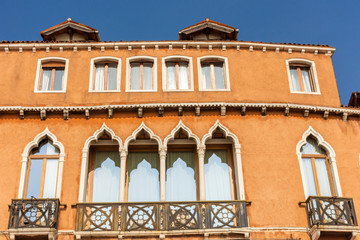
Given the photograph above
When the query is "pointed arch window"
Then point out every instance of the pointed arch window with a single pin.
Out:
(318, 179)
(42, 172)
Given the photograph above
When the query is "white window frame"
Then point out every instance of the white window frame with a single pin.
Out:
(190, 73)
(128, 70)
(225, 69)
(313, 73)
(25, 161)
(38, 73)
(95, 60)
(331, 158)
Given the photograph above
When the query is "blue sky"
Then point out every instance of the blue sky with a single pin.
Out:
(332, 22)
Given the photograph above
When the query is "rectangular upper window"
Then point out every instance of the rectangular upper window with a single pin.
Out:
(51, 75)
(177, 75)
(213, 74)
(141, 74)
(105, 74)
(302, 76)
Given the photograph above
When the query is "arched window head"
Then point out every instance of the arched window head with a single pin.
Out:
(317, 171)
(42, 171)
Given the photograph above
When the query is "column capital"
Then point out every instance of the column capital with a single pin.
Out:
(123, 152)
(162, 151)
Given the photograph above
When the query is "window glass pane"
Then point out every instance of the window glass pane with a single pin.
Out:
(112, 70)
(99, 77)
(170, 76)
(206, 76)
(217, 175)
(294, 79)
(219, 76)
(183, 75)
(135, 76)
(58, 81)
(180, 176)
(311, 147)
(46, 79)
(305, 74)
(33, 189)
(323, 177)
(310, 186)
(148, 76)
(50, 178)
(106, 176)
(143, 172)
(45, 148)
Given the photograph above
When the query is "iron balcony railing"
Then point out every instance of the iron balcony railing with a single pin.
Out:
(160, 216)
(34, 213)
(330, 211)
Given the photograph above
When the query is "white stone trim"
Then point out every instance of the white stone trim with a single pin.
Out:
(331, 157)
(182, 126)
(226, 71)
(165, 44)
(312, 71)
(190, 72)
(25, 155)
(85, 157)
(128, 70)
(236, 156)
(38, 73)
(95, 60)
(137, 131)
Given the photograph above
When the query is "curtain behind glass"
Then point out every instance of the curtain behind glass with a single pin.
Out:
(310, 186)
(112, 70)
(147, 76)
(219, 76)
(323, 177)
(294, 79)
(170, 76)
(206, 76)
(99, 77)
(217, 175)
(183, 76)
(46, 79)
(306, 79)
(50, 178)
(180, 176)
(58, 81)
(135, 76)
(143, 172)
(106, 176)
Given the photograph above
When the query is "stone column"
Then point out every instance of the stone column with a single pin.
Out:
(162, 154)
(123, 156)
(201, 156)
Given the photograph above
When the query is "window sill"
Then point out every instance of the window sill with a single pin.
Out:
(178, 90)
(49, 91)
(104, 91)
(140, 91)
(308, 93)
(214, 90)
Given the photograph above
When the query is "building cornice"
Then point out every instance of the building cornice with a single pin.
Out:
(263, 108)
(102, 46)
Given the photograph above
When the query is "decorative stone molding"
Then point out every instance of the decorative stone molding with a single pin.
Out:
(180, 111)
(226, 132)
(188, 131)
(197, 111)
(287, 111)
(140, 112)
(299, 108)
(161, 111)
(326, 115)
(331, 157)
(110, 113)
(137, 131)
(35, 143)
(43, 114)
(263, 111)
(66, 114)
(87, 114)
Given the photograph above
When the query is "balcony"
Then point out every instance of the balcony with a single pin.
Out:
(34, 213)
(331, 216)
(160, 216)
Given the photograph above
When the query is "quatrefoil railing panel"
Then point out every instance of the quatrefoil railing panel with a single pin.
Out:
(160, 216)
(34, 213)
(330, 211)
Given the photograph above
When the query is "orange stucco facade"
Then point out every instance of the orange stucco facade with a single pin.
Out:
(271, 172)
